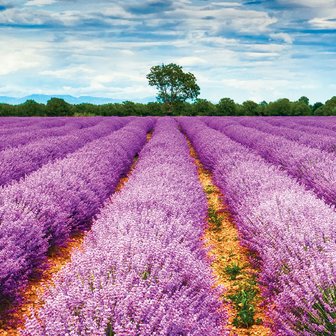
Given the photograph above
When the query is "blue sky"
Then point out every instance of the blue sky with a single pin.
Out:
(239, 49)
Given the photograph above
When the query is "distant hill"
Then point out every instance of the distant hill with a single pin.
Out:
(40, 98)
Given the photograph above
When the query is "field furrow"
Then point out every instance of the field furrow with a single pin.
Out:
(231, 265)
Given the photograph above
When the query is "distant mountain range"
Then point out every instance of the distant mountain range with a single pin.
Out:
(40, 98)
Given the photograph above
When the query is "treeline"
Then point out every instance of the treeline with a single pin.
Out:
(225, 107)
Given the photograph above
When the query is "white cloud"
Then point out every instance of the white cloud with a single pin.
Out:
(217, 20)
(226, 4)
(98, 89)
(70, 72)
(323, 23)
(282, 36)
(117, 11)
(17, 55)
(262, 55)
(117, 77)
(191, 61)
(40, 2)
(26, 16)
(267, 48)
(311, 3)
(15, 15)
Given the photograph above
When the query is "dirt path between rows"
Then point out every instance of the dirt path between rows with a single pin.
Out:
(32, 297)
(231, 264)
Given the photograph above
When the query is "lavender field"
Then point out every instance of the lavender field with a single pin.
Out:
(168, 226)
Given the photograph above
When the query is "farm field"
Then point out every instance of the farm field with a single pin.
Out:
(168, 226)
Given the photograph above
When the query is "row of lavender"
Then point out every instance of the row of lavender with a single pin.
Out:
(320, 122)
(17, 136)
(26, 121)
(322, 142)
(40, 122)
(143, 269)
(30, 126)
(313, 167)
(42, 209)
(318, 126)
(19, 161)
(313, 127)
(291, 230)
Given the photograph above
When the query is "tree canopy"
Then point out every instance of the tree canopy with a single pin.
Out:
(200, 107)
(173, 84)
(58, 107)
(227, 106)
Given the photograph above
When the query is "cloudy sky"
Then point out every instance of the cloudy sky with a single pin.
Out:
(239, 49)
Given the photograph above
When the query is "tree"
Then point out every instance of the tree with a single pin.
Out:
(250, 108)
(134, 109)
(262, 108)
(129, 108)
(183, 108)
(59, 107)
(316, 106)
(227, 107)
(300, 108)
(304, 100)
(31, 108)
(154, 109)
(85, 109)
(204, 107)
(280, 107)
(173, 84)
(328, 109)
(111, 109)
(8, 110)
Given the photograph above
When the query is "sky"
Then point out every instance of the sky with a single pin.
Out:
(259, 50)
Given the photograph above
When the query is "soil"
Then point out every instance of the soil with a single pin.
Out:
(225, 249)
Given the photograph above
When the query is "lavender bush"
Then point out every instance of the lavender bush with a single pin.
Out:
(291, 230)
(143, 270)
(322, 142)
(313, 167)
(30, 125)
(25, 135)
(321, 122)
(19, 161)
(41, 210)
(11, 121)
(314, 125)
